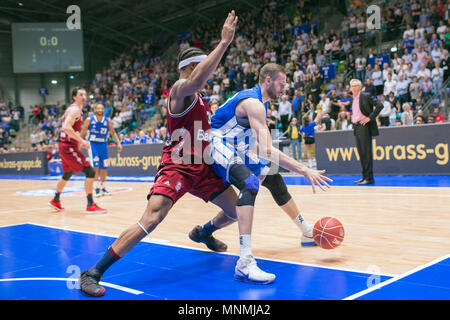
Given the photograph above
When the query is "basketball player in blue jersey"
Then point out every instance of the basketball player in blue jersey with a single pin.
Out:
(99, 127)
(241, 151)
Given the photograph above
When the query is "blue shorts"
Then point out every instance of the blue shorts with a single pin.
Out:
(223, 156)
(98, 154)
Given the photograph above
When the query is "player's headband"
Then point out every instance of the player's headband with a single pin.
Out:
(185, 62)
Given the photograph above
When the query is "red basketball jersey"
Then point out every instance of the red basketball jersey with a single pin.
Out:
(63, 137)
(188, 132)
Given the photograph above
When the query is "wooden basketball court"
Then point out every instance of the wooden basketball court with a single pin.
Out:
(388, 230)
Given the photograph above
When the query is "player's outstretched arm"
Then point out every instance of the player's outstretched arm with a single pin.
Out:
(203, 71)
(256, 114)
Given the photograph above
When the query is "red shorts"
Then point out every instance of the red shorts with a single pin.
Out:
(174, 180)
(71, 158)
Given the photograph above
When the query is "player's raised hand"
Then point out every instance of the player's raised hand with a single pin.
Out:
(316, 177)
(229, 28)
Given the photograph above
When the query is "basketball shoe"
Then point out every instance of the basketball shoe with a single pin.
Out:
(307, 239)
(97, 193)
(88, 282)
(247, 270)
(104, 192)
(211, 242)
(55, 205)
(95, 209)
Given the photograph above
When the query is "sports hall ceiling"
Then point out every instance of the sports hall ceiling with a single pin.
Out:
(118, 24)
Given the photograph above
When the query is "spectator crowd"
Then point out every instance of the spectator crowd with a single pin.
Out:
(134, 86)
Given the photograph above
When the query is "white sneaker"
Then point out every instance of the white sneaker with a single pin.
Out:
(307, 239)
(247, 270)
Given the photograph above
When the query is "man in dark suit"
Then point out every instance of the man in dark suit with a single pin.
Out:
(365, 109)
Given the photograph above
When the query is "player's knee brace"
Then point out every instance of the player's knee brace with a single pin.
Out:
(277, 188)
(89, 172)
(66, 175)
(246, 182)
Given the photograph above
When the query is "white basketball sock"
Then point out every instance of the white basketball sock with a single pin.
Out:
(245, 241)
(304, 226)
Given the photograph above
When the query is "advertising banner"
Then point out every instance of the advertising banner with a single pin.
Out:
(408, 150)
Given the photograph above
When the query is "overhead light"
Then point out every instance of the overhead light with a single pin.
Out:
(91, 96)
(54, 82)
(71, 76)
(20, 4)
(394, 49)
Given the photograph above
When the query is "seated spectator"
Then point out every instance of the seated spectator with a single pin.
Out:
(326, 123)
(437, 116)
(163, 134)
(420, 120)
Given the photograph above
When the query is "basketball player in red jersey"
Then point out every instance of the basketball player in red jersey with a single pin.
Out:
(72, 159)
(181, 169)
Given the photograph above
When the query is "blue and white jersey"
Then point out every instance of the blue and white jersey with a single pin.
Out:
(231, 138)
(98, 130)
(232, 130)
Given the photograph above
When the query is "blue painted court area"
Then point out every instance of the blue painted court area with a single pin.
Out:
(430, 282)
(42, 263)
(380, 181)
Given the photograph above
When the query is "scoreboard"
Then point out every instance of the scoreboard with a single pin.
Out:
(46, 47)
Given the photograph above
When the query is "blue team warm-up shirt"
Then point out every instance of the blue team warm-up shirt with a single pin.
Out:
(98, 137)
(231, 138)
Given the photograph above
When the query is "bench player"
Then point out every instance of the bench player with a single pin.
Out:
(188, 119)
(72, 159)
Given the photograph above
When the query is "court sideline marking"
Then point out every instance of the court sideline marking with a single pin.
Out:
(106, 284)
(396, 278)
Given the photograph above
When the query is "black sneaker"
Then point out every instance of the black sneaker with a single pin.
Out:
(88, 282)
(105, 193)
(97, 192)
(211, 242)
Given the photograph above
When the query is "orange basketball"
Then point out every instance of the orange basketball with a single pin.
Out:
(328, 233)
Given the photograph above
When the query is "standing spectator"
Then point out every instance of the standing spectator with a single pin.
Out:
(308, 129)
(296, 138)
(297, 104)
(285, 112)
(427, 87)
(360, 64)
(407, 116)
(402, 90)
(377, 78)
(385, 112)
(414, 90)
(437, 76)
(370, 88)
(390, 85)
(34, 138)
